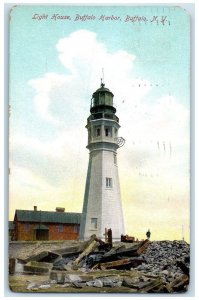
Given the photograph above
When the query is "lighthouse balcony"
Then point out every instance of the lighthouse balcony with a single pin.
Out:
(103, 108)
(103, 116)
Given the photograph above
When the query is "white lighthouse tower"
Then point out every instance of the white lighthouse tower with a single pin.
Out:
(102, 206)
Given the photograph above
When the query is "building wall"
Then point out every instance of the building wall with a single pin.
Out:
(70, 232)
(112, 213)
(26, 231)
(11, 234)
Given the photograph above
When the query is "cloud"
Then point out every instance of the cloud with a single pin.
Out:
(43, 87)
(58, 94)
(51, 159)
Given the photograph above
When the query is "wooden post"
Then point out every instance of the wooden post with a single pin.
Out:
(90, 246)
(110, 241)
(106, 235)
(11, 265)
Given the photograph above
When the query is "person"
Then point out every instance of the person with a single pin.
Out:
(148, 234)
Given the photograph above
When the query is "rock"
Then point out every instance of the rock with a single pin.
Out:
(73, 277)
(58, 277)
(53, 281)
(89, 283)
(118, 283)
(165, 272)
(68, 266)
(65, 285)
(98, 283)
(144, 279)
(111, 282)
(61, 278)
(31, 286)
(78, 284)
(95, 283)
(178, 274)
(108, 282)
(130, 282)
(44, 286)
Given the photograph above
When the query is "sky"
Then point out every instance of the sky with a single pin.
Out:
(56, 65)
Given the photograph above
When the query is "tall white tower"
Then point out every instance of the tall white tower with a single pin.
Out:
(102, 201)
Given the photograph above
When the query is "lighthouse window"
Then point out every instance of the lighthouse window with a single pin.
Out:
(108, 182)
(101, 98)
(98, 131)
(89, 135)
(115, 159)
(94, 223)
(108, 131)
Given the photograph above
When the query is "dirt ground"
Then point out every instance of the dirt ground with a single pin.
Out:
(19, 283)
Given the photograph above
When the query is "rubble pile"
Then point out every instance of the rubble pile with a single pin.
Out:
(142, 267)
(167, 259)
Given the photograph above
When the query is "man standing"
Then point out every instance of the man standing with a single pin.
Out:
(148, 234)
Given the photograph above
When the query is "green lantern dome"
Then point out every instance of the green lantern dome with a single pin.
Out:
(102, 99)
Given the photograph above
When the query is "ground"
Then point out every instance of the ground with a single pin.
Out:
(19, 282)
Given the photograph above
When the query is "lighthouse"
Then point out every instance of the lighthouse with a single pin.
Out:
(102, 206)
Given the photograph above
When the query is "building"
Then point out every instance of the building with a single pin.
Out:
(11, 229)
(31, 225)
(102, 206)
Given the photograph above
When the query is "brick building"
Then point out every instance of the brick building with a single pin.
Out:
(32, 225)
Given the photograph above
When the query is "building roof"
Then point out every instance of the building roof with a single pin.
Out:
(103, 89)
(47, 216)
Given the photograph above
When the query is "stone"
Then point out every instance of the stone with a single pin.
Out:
(165, 272)
(31, 286)
(44, 286)
(118, 284)
(65, 285)
(58, 276)
(73, 277)
(98, 283)
(108, 282)
(131, 282)
(77, 284)
(95, 283)
(53, 281)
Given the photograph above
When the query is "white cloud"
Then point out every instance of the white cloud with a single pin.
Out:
(84, 62)
(43, 87)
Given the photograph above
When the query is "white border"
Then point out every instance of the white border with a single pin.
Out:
(195, 161)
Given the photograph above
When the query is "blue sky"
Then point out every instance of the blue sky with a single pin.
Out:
(53, 73)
